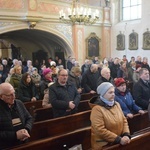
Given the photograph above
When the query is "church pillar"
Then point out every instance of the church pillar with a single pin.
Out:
(79, 43)
(106, 34)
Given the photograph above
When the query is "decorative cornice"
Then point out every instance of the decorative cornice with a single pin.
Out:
(12, 4)
(4, 24)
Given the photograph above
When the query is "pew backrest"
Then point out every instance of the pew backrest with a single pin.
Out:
(87, 96)
(60, 125)
(81, 136)
(139, 142)
(138, 122)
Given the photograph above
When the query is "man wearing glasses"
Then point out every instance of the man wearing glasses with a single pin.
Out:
(63, 96)
(15, 120)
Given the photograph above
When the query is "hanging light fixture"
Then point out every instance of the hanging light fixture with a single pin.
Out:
(78, 14)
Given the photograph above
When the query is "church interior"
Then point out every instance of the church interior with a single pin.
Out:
(33, 27)
(75, 107)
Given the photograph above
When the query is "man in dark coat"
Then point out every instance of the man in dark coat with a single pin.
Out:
(114, 68)
(63, 96)
(141, 89)
(105, 76)
(89, 79)
(15, 120)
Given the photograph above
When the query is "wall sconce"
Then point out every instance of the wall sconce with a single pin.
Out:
(31, 25)
(32, 21)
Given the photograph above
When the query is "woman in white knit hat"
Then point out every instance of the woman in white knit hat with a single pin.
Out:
(108, 124)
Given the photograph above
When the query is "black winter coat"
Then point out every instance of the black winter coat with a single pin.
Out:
(60, 96)
(26, 92)
(7, 134)
(89, 81)
(141, 94)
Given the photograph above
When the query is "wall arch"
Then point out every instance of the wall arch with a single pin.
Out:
(63, 34)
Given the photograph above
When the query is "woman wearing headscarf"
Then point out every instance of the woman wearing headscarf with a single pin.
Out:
(108, 123)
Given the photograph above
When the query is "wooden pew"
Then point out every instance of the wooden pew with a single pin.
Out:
(60, 125)
(42, 114)
(81, 136)
(138, 122)
(31, 106)
(36, 107)
(38, 104)
(83, 106)
(139, 142)
(87, 96)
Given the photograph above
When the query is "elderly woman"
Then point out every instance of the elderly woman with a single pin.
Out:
(108, 123)
(125, 99)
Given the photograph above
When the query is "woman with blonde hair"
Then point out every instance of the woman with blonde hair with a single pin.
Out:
(15, 78)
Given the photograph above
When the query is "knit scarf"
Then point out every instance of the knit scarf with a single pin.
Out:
(109, 103)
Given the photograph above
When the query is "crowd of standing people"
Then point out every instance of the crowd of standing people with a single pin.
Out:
(123, 87)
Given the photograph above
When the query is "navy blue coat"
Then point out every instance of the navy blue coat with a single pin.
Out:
(60, 96)
(126, 102)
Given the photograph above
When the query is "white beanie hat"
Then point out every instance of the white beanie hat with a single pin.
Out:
(103, 88)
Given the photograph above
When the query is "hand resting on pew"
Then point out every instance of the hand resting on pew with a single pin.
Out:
(22, 134)
(129, 115)
(125, 140)
(141, 112)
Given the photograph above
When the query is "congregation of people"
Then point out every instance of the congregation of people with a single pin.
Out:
(123, 88)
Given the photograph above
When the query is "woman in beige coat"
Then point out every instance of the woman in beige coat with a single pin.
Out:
(108, 124)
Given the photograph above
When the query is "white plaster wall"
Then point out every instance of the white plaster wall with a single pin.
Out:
(139, 26)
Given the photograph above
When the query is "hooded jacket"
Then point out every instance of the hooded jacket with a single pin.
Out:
(108, 124)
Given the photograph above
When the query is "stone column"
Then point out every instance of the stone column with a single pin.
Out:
(106, 34)
(79, 43)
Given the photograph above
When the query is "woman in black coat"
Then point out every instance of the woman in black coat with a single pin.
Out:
(27, 89)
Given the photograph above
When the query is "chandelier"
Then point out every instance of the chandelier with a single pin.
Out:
(78, 14)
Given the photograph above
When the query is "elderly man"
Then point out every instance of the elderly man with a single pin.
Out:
(89, 79)
(105, 76)
(15, 120)
(63, 96)
(141, 89)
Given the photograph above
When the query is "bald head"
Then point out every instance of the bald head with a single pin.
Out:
(7, 93)
(105, 72)
(94, 68)
(5, 87)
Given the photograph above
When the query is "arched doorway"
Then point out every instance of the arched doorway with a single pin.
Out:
(31, 41)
